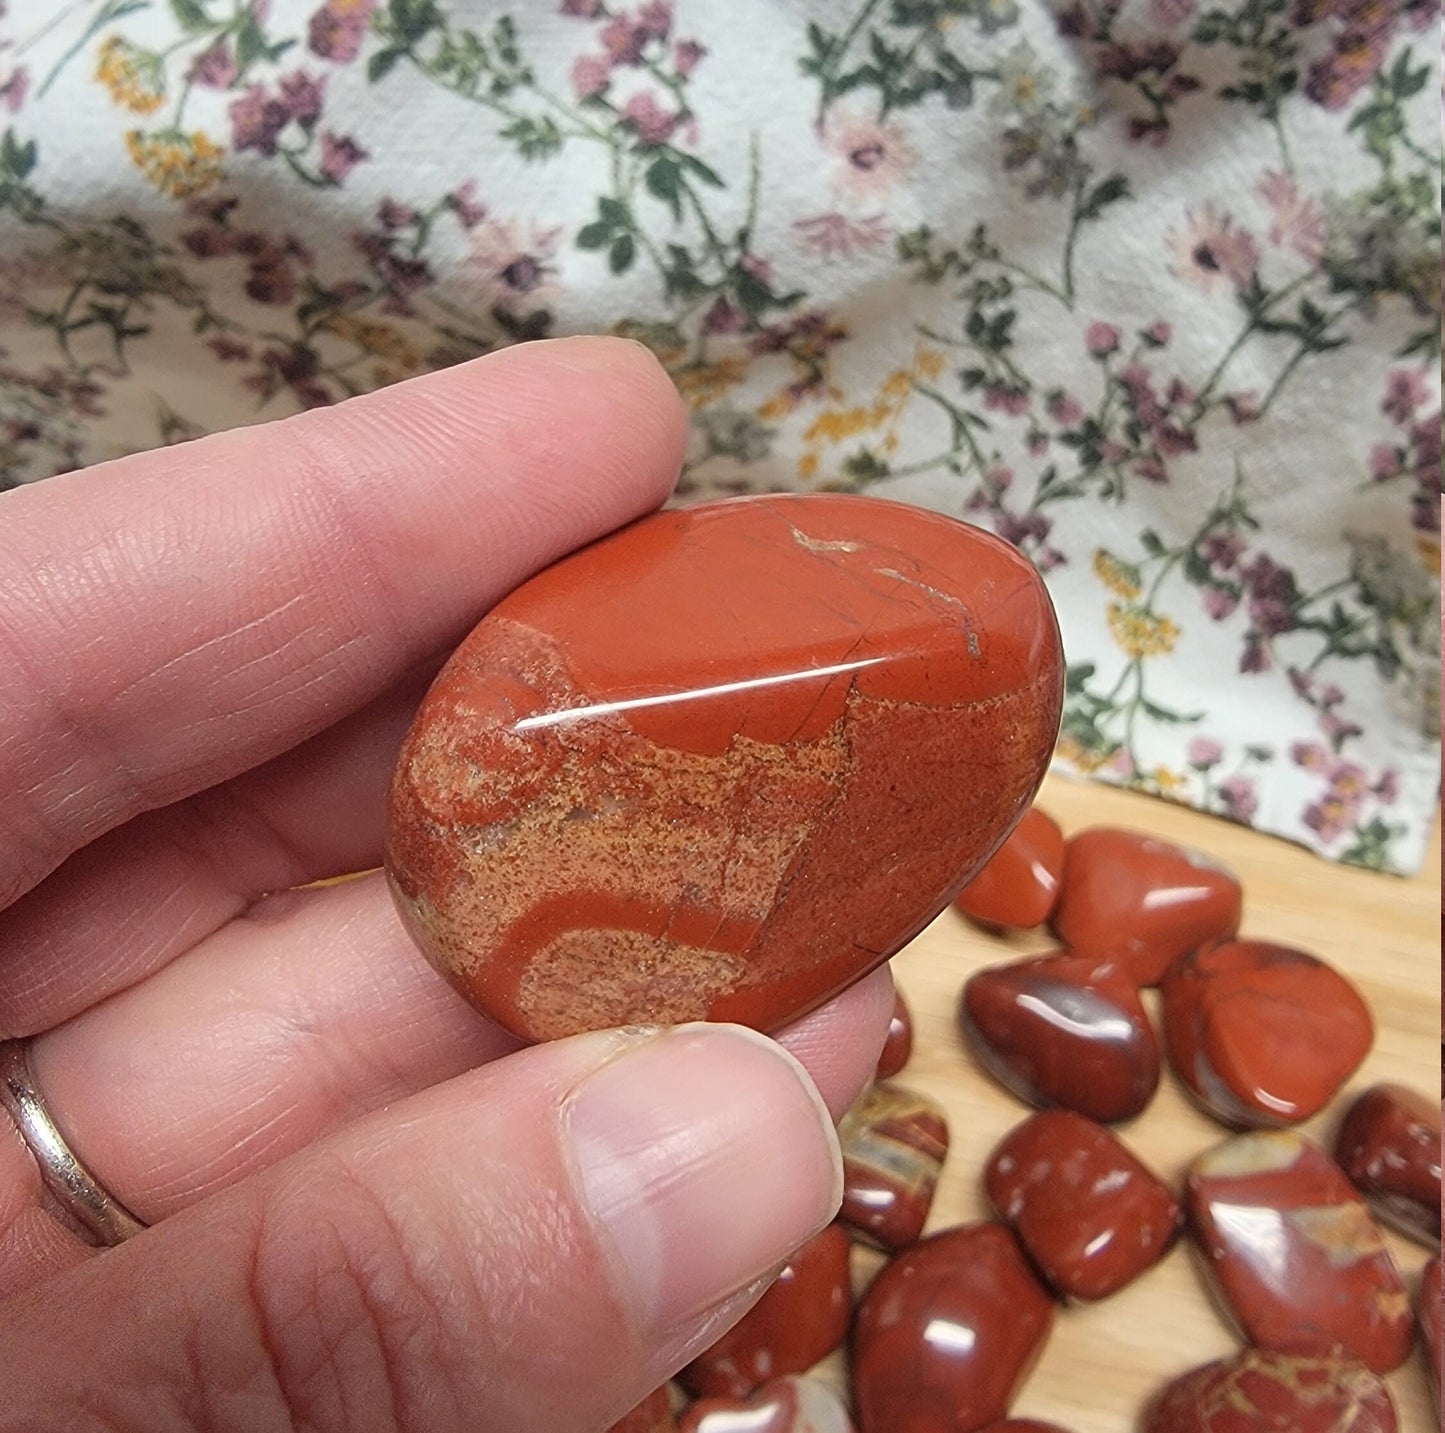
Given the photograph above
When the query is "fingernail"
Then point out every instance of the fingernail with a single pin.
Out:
(705, 1157)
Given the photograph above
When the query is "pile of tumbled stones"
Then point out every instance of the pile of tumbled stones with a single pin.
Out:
(1261, 1036)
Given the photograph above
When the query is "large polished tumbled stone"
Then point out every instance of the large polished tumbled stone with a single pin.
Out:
(894, 1142)
(803, 1317)
(947, 1333)
(1018, 886)
(1259, 1391)
(1064, 1029)
(1142, 901)
(1293, 1252)
(722, 763)
(1389, 1145)
(1090, 1215)
(786, 1405)
(1262, 1034)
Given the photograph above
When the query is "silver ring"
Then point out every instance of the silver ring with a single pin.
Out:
(80, 1194)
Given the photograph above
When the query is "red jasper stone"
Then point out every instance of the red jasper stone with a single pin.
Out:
(894, 1143)
(1091, 1216)
(1427, 1310)
(803, 1317)
(786, 1405)
(722, 763)
(1293, 1252)
(1019, 884)
(946, 1335)
(1064, 1029)
(1389, 1145)
(1142, 900)
(652, 1415)
(1262, 1034)
(899, 1044)
(1023, 1425)
(1259, 1391)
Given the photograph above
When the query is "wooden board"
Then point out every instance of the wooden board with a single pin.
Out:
(1103, 1361)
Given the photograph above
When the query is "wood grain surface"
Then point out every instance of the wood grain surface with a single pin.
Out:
(1103, 1361)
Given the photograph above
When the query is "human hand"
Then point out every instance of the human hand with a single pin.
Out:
(369, 1209)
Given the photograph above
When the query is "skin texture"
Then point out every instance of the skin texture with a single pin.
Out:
(350, 1173)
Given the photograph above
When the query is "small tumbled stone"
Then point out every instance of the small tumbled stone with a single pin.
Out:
(1142, 901)
(1090, 1215)
(1389, 1145)
(1019, 884)
(1064, 1029)
(786, 1405)
(1293, 1252)
(1262, 1034)
(894, 1142)
(1427, 1310)
(898, 1045)
(1259, 1391)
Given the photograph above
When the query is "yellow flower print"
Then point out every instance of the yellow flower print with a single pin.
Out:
(133, 77)
(1140, 633)
(177, 164)
(834, 425)
(1080, 757)
(1118, 577)
(703, 383)
(378, 338)
(1167, 781)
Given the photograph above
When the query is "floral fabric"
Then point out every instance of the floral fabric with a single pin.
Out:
(1149, 287)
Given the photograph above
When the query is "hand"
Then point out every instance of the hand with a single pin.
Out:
(369, 1209)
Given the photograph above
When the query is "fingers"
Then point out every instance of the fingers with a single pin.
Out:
(177, 617)
(279, 1030)
(531, 1247)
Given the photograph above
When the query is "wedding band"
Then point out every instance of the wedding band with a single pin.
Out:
(80, 1194)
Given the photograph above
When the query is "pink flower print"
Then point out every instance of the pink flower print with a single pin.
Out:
(1151, 468)
(336, 30)
(518, 273)
(1211, 249)
(1386, 462)
(1296, 222)
(1157, 334)
(214, 68)
(1405, 391)
(1311, 755)
(1219, 602)
(464, 204)
(391, 215)
(302, 95)
(340, 154)
(1237, 797)
(1169, 13)
(1273, 596)
(1243, 407)
(654, 19)
(1101, 339)
(873, 157)
(624, 39)
(15, 88)
(998, 478)
(723, 317)
(685, 56)
(257, 120)
(581, 9)
(1387, 788)
(1172, 440)
(591, 74)
(835, 236)
(1065, 409)
(1221, 550)
(1004, 399)
(651, 123)
(1203, 752)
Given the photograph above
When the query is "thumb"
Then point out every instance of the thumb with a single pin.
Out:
(533, 1246)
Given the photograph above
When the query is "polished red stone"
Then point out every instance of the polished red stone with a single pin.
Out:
(894, 1143)
(1427, 1310)
(1141, 900)
(1262, 1034)
(1389, 1145)
(1293, 1252)
(1090, 1215)
(1258, 1391)
(786, 1405)
(899, 1044)
(722, 763)
(1064, 1029)
(803, 1317)
(652, 1415)
(1019, 884)
(947, 1333)
(1023, 1425)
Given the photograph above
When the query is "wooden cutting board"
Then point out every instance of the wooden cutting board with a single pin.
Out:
(1103, 1361)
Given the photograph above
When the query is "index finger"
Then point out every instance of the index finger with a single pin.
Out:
(171, 619)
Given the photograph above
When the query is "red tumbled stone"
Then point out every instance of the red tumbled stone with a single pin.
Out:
(652, 1415)
(1258, 1391)
(894, 1142)
(947, 1333)
(1293, 1251)
(1262, 1034)
(899, 1044)
(803, 1317)
(1064, 1029)
(1427, 1309)
(1090, 1215)
(1389, 1145)
(1142, 900)
(786, 1405)
(1019, 884)
(722, 763)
